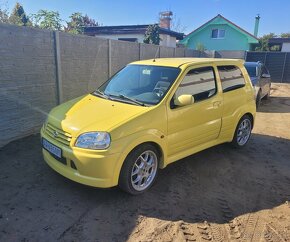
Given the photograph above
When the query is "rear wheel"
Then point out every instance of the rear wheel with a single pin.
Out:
(139, 170)
(243, 132)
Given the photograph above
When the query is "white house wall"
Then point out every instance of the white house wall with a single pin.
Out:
(286, 47)
(166, 39)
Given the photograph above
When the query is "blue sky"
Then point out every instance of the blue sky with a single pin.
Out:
(275, 16)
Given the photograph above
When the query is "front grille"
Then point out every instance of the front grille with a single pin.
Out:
(58, 134)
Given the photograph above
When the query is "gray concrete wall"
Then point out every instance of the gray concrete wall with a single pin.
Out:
(27, 80)
(40, 68)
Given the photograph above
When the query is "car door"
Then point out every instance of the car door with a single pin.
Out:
(200, 122)
(235, 96)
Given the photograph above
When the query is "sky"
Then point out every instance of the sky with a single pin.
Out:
(275, 15)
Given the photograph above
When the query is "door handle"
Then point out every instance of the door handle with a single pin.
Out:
(216, 104)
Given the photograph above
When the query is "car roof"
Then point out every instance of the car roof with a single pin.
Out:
(177, 62)
(250, 63)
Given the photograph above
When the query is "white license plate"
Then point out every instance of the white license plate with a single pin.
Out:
(51, 148)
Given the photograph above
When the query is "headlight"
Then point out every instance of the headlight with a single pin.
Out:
(94, 140)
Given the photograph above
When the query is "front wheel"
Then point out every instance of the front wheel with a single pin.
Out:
(139, 170)
(243, 132)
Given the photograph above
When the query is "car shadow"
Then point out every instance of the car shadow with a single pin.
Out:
(215, 185)
(275, 105)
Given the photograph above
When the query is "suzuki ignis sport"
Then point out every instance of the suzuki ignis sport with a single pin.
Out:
(148, 115)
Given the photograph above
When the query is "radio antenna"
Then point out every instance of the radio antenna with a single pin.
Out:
(156, 53)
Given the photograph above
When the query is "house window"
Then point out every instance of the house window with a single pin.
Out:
(218, 33)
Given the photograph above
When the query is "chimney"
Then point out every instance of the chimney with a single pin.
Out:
(165, 19)
(257, 25)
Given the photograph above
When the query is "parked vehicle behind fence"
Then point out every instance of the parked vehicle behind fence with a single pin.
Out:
(261, 80)
(148, 115)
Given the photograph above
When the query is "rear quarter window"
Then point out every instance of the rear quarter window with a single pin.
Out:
(231, 77)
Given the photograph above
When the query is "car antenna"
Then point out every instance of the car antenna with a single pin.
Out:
(156, 54)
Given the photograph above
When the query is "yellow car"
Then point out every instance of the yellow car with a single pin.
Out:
(148, 115)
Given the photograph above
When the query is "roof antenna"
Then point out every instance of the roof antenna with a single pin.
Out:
(156, 54)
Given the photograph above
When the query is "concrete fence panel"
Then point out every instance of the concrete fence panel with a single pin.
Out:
(27, 80)
(166, 52)
(179, 52)
(40, 69)
(149, 51)
(84, 64)
(122, 53)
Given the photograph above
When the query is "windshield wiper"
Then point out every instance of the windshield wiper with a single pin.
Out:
(128, 99)
(100, 94)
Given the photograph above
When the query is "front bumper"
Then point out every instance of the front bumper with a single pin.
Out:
(93, 168)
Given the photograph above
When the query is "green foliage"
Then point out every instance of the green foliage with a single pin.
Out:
(264, 42)
(152, 35)
(18, 16)
(285, 35)
(77, 22)
(200, 47)
(45, 19)
(4, 15)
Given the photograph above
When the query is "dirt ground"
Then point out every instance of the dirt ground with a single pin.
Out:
(220, 194)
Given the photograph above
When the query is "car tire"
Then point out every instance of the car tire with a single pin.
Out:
(139, 170)
(258, 99)
(242, 132)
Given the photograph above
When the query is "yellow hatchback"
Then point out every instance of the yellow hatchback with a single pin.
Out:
(148, 115)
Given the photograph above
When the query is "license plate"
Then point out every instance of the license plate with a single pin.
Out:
(51, 148)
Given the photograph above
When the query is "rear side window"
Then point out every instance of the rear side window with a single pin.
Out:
(200, 83)
(231, 77)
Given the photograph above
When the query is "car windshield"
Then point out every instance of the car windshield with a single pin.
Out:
(140, 84)
(252, 70)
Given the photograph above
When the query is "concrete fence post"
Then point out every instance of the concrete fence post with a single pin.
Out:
(109, 58)
(174, 52)
(59, 87)
(140, 51)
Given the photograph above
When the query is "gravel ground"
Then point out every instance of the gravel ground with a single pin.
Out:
(221, 194)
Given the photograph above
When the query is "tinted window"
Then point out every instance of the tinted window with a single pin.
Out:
(200, 83)
(231, 77)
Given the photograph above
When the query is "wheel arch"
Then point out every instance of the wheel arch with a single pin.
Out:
(159, 144)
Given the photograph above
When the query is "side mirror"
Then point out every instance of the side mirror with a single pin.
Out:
(184, 100)
(265, 75)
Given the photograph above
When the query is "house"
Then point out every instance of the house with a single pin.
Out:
(283, 43)
(220, 33)
(135, 33)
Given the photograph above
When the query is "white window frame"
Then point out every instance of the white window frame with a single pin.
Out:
(218, 33)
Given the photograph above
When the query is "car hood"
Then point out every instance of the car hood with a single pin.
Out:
(91, 113)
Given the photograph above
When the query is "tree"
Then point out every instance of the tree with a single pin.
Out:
(77, 22)
(18, 16)
(152, 35)
(45, 19)
(285, 35)
(264, 42)
(200, 47)
(89, 22)
(176, 25)
(4, 15)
